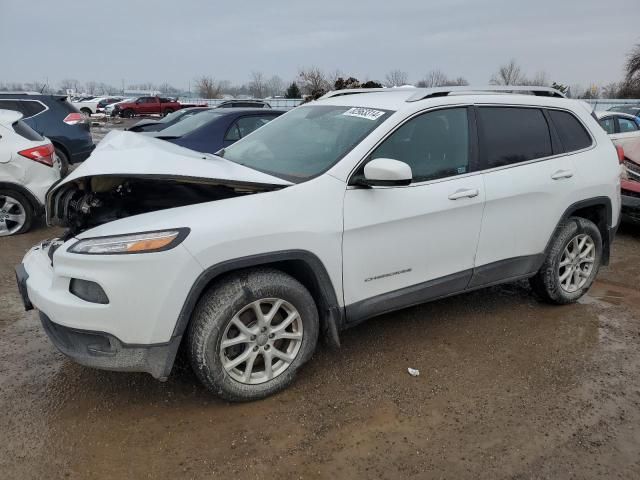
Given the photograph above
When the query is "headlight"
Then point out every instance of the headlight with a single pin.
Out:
(146, 242)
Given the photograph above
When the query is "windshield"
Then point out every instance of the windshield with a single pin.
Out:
(190, 123)
(305, 142)
(172, 117)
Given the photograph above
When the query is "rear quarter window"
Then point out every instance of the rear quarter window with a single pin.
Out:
(25, 131)
(573, 135)
(512, 135)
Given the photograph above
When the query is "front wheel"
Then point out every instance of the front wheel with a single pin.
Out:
(128, 113)
(251, 333)
(571, 264)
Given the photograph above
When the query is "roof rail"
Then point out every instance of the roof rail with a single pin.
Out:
(425, 93)
(353, 91)
(22, 93)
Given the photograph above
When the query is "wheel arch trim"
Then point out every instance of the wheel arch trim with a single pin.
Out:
(331, 313)
(607, 231)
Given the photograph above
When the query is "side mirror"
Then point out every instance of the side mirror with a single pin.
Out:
(386, 172)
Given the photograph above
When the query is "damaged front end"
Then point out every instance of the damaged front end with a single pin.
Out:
(92, 201)
(129, 174)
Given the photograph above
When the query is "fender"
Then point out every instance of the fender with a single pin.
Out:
(303, 262)
(608, 230)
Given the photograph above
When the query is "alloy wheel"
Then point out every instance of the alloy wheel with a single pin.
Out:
(261, 341)
(577, 263)
(12, 215)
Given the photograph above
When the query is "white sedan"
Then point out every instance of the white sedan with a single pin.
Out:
(624, 131)
(27, 171)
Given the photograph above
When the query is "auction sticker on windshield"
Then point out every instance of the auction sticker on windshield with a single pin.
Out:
(361, 112)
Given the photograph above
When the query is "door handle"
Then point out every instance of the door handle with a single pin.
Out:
(464, 193)
(560, 174)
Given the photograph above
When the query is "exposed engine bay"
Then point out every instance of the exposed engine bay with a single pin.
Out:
(91, 201)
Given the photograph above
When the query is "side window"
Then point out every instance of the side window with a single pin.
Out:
(246, 125)
(573, 135)
(608, 124)
(434, 145)
(33, 108)
(11, 105)
(627, 125)
(513, 135)
(233, 134)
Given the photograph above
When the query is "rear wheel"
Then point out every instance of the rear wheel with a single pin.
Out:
(16, 213)
(251, 333)
(572, 263)
(86, 111)
(167, 112)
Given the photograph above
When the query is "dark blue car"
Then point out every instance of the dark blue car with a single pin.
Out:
(55, 118)
(214, 129)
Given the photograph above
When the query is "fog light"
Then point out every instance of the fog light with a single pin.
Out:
(88, 291)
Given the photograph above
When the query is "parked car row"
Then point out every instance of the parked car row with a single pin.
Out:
(96, 104)
(355, 205)
(54, 117)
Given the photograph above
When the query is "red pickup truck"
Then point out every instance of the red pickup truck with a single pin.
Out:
(146, 106)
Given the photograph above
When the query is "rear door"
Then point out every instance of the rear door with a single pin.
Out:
(529, 183)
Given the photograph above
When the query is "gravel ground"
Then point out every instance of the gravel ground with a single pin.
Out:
(508, 388)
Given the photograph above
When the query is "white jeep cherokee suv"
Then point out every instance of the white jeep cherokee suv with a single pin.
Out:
(355, 205)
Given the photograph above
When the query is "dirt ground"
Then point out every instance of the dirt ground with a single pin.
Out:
(508, 388)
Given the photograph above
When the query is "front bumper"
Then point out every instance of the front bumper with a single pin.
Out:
(134, 331)
(106, 352)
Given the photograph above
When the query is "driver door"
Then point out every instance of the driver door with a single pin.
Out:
(405, 245)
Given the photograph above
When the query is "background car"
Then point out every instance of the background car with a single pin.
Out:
(109, 109)
(146, 106)
(629, 109)
(624, 130)
(214, 129)
(94, 105)
(27, 172)
(249, 103)
(157, 124)
(55, 118)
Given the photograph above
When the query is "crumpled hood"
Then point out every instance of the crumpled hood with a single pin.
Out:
(124, 154)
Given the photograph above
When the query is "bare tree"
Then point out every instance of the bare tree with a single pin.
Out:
(275, 86)
(207, 87)
(631, 85)
(509, 74)
(70, 84)
(540, 79)
(611, 90)
(313, 81)
(396, 78)
(36, 86)
(459, 82)
(11, 87)
(435, 78)
(257, 85)
(167, 88)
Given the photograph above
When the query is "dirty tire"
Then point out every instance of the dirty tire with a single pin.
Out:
(26, 207)
(215, 311)
(64, 162)
(546, 283)
(86, 111)
(128, 113)
(167, 112)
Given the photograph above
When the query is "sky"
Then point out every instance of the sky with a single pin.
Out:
(175, 41)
